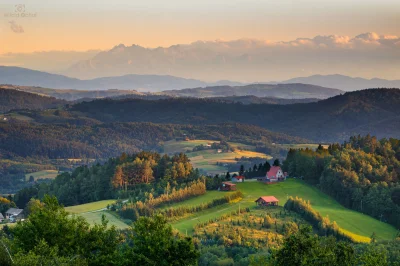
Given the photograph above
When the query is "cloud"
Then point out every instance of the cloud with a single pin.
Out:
(16, 27)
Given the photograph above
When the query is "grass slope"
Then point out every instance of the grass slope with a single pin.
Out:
(207, 159)
(89, 207)
(95, 218)
(51, 174)
(349, 220)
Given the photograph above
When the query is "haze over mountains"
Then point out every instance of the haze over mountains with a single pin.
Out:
(28, 77)
(250, 60)
(345, 83)
(168, 84)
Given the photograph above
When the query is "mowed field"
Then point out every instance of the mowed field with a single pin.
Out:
(51, 174)
(95, 218)
(352, 221)
(207, 159)
(89, 207)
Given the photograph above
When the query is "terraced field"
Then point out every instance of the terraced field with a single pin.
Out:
(349, 220)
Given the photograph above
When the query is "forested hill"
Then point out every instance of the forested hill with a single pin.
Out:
(288, 91)
(374, 111)
(14, 99)
(362, 174)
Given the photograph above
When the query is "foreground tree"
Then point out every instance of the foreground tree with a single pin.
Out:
(154, 243)
(50, 230)
(305, 248)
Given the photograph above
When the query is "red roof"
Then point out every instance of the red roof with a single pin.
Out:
(239, 177)
(268, 199)
(273, 171)
(228, 183)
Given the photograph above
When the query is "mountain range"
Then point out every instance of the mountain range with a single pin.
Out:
(344, 82)
(250, 60)
(169, 85)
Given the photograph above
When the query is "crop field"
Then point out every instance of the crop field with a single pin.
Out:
(352, 221)
(51, 174)
(89, 207)
(207, 160)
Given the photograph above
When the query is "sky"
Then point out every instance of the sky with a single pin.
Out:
(292, 37)
(81, 25)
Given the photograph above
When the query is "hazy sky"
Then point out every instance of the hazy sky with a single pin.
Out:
(92, 24)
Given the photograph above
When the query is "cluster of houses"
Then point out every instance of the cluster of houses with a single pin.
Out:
(275, 174)
(13, 215)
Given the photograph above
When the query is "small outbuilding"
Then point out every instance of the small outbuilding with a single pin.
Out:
(227, 186)
(267, 201)
(238, 178)
(1, 217)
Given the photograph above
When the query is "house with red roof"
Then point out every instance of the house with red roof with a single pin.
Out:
(238, 178)
(275, 174)
(267, 201)
(227, 186)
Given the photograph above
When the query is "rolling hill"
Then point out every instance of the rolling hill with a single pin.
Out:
(288, 91)
(27, 77)
(14, 99)
(345, 83)
(333, 119)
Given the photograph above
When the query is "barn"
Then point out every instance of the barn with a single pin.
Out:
(227, 186)
(267, 201)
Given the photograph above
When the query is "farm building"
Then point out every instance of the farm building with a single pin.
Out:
(1, 217)
(275, 174)
(14, 214)
(267, 201)
(227, 186)
(237, 179)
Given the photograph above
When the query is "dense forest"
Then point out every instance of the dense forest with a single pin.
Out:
(141, 176)
(29, 147)
(362, 174)
(373, 111)
(14, 99)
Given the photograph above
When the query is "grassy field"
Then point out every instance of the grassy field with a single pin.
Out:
(42, 174)
(207, 159)
(89, 207)
(209, 196)
(95, 218)
(352, 221)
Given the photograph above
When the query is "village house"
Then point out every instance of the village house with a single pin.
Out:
(238, 178)
(275, 174)
(227, 186)
(267, 201)
(14, 214)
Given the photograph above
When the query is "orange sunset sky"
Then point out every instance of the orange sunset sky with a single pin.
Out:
(87, 24)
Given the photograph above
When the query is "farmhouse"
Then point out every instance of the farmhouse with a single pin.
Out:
(267, 201)
(14, 214)
(227, 186)
(275, 174)
(237, 179)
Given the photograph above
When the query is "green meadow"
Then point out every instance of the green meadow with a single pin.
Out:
(352, 221)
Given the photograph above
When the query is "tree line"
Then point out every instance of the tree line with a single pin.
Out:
(362, 174)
